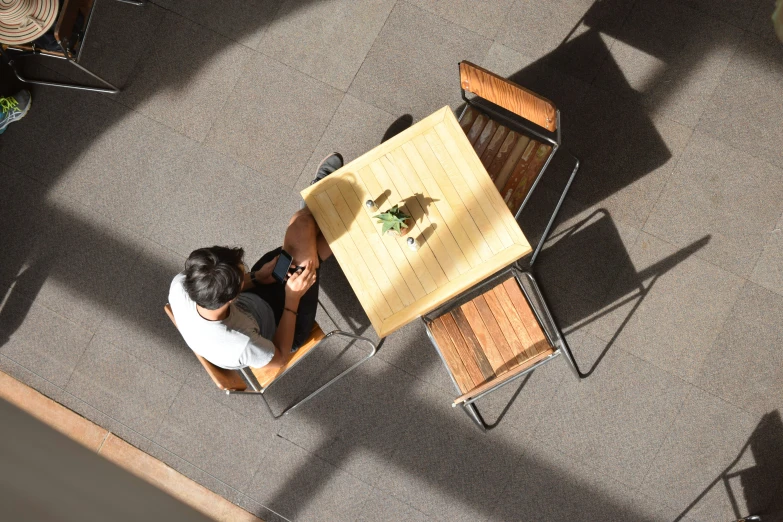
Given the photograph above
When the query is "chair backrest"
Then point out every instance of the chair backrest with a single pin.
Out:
(490, 339)
(509, 95)
(226, 380)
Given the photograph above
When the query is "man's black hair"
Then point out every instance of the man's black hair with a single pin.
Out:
(213, 276)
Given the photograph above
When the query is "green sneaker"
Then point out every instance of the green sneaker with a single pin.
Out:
(13, 108)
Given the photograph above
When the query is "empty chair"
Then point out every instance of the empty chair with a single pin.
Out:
(494, 334)
(515, 133)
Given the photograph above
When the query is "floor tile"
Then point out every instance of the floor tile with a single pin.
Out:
(737, 113)
(736, 12)
(243, 21)
(39, 339)
(769, 269)
(684, 304)
(752, 383)
(484, 18)
(273, 119)
(185, 78)
(412, 66)
(113, 381)
(381, 506)
(557, 487)
(592, 416)
(671, 66)
(46, 410)
(224, 203)
(136, 322)
(74, 258)
(322, 40)
(708, 196)
(355, 128)
(301, 486)
(709, 441)
(445, 466)
(129, 172)
(574, 37)
(213, 438)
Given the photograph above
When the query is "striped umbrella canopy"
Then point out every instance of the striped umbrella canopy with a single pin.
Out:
(22, 21)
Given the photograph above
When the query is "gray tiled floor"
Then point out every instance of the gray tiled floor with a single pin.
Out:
(665, 270)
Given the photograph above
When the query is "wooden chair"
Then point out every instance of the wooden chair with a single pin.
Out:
(71, 43)
(494, 334)
(259, 380)
(515, 132)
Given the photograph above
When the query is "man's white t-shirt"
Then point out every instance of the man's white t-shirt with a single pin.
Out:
(241, 339)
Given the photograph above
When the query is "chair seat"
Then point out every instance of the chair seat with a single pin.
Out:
(490, 338)
(512, 160)
(266, 376)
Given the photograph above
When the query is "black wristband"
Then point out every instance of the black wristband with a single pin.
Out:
(293, 312)
(253, 278)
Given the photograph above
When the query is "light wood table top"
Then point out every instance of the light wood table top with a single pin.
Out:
(464, 229)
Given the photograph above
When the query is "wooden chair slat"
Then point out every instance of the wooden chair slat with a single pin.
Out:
(450, 355)
(539, 340)
(494, 145)
(504, 324)
(494, 329)
(466, 121)
(465, 352)
(501, 156)
(485, 338)
(518, 327)
(486, 135)
(520, 184)
(266, 376)
(475, 129)
(511, 161)
(508, 95)
(473, 344)
(518, 173)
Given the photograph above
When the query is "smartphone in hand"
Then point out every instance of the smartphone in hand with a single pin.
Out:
(284, 267)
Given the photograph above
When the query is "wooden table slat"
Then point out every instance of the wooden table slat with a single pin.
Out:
(485, 198)
(454, 237)
(381, 279)
(429, 242)
(470, 194)
(360, 278)
(457, 192)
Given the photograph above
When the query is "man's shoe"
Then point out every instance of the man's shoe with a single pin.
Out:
(329, 164)
(13, 108)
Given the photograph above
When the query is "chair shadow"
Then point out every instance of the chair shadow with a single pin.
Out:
(761, 484)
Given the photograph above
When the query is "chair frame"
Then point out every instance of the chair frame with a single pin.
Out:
(257, 389)
(11, 52)
(553, 334)
(519, 123)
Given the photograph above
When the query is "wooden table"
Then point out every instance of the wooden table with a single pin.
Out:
(463, 227)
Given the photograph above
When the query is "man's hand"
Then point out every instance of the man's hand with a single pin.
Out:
(264, 274)
(297, 284)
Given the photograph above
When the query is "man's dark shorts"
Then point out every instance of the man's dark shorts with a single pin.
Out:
(274, 294)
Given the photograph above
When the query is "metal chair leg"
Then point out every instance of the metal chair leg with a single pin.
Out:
(474, 414)
(111, 90)
(373, 351)
(555, 212)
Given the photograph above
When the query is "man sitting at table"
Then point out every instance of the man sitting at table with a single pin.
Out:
(236, 318)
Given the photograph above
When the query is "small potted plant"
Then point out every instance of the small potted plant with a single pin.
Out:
(394, 221)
